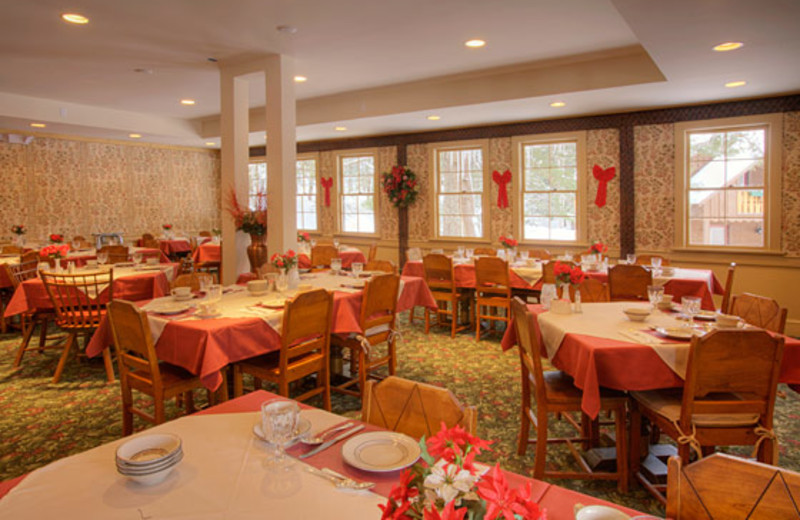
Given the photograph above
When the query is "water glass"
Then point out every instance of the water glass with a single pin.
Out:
(631, 259)
(137, 257)
(460, 252)
(548, 294)
(654, 294)
(501, 253)
(690, 306)
(656, 262)
(336, 265)
(279, 419)
(214, 293)
(102, 257)
(357, 268)
(271, 279)
(282, 282)
(470, 253)
(523, 255)
(336, 243)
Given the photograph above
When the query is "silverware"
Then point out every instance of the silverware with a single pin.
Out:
(339, 480)
(328, 444)
(320, 437)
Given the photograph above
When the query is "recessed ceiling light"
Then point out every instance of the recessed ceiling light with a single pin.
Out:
(474, 44)
(734, 84)
(558, 104)
(142, 70)
(340, 128)
(300, 79)
(211, 143)
(75, 18)
(286, 29)
(434, 118)
(135, 136)
(38, 125)
(188, 102)
(728, 46)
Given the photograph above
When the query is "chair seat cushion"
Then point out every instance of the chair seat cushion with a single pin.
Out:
(667, 403)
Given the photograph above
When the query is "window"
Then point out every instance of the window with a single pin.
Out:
(551, 187)
(460, 185)
(307, 194)
(357, 189)
(725, 183)
(257, 172)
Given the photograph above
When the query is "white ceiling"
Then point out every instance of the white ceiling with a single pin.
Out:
(80, 80)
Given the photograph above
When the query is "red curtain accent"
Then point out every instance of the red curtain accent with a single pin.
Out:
(602, 176)
(502, 179)
(327, 184)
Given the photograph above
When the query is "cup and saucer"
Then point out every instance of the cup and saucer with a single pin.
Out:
(182, 294)
(207, 311)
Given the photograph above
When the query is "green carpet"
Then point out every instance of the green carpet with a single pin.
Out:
(42, 422)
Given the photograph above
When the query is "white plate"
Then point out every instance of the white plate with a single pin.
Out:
(273, 304)
(675, 332)
(381, 451)
(706, 316)
(186, 298)
(170, 307)
(302, 429)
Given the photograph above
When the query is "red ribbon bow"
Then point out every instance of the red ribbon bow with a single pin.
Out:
(327, 184)
(602, 176)
(502, 179)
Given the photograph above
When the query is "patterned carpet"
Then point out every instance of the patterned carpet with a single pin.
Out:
(42, 422)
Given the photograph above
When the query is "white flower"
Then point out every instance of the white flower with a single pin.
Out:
(449, 480)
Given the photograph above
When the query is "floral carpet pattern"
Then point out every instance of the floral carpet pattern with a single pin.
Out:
(42, 422)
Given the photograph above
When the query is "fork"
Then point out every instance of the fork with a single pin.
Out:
(339, 480)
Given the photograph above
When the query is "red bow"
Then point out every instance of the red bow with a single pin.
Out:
(502, 193)
(327, 184)
(602, 176)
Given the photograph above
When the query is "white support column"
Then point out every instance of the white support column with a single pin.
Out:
(235, 156)
(281, 154)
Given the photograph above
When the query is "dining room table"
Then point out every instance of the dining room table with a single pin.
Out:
(521, 275)
(209, 252)
(247, 325)
(224, 474)
(348, 254)
(171, 246)
(601, 347)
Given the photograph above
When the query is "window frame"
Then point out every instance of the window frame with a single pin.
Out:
(517, 146)
(257, 160)
(483, 145)
(340, 156)
(773, 173)
(310, 157)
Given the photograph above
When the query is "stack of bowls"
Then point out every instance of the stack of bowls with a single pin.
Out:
(149, 459)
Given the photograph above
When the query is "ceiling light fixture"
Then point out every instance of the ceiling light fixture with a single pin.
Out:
(558, 104)
(211, 143)
(734, 84)
(286, 29)
(75, 18)
(188, 102)
(300, 79)
(38, 125)
(434, 118)
(340, 128)
(728, 46)
(474, 44)
(135, 136)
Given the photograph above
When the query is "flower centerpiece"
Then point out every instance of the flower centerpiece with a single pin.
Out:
(447, 485)
(166, 227)
(568, 275)
(56, 238)
(18, 230)
(598, 248)
(401, 186)
(284, 262)
(508, 242)
(253, 221)
(303, 237)
(54, 252)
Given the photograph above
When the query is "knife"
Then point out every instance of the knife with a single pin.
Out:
(327, 444)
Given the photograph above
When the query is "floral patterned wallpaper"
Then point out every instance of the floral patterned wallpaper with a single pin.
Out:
(55, 185)
(791, 184)
(654, 178)
(602, 149)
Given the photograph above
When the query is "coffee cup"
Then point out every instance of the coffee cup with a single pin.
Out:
(257, 287)
(182, 293)
(728, 321)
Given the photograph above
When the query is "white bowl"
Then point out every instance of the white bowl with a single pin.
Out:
(636, 313)
(728, 321)
(153, 478)
(147, 450)
(599, 513)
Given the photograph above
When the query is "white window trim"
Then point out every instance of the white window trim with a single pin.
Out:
(772, 179)
(340, 193)
(517, 182)
(483, 144)
(315, 157)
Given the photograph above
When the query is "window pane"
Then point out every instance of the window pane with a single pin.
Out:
(562, 204)
(448, 183)
(709, 174)
(537, 204)
(449, 204)
(537, 228)
(460, 187)
(745, 172)
(745, 144)
(537, 179)
(706, 145)
(563, 229)
(707, 203)
(564, 178)
(563, 154)
(537, 156)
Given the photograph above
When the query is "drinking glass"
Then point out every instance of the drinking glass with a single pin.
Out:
(460, 252)
(501, 253)
(523, 255)
(278, 422)
(357, 268)
(102, 257)
(470, 253)
(282, 282)
(137, 257)
(690, 307)
(548, 294)
(272, 278)
(336, 243)
(656, 262)
(654, 294)
(214, 293)
(336, 265)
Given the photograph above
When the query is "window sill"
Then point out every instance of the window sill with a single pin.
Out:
(729, 251)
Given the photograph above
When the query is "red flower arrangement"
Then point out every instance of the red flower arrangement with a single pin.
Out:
(401, 186)
(285, 261)
(507, 242)
(54, 251)
(252, 221)
(167, 227)
(303, 237)
(19, 229)
(566, 274)
(598, 248)
(55, 238)
(454, 487)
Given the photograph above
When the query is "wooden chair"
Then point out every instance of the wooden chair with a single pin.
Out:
(592, 291)
(373, 251)
(148, 236)
(18, 273)
(386, 266)
(485, 251)
(492, 292)
(726, 399)
(648, 260)
(82, 242)
(305, 349)
(554, 391)
(414, 254)
(11, 250)
(321, 256)
(149, 241)
(759, 311)
(78, 303)
(628, 282)
(440, 278)
(193, 280)
(377, 321)
(205, 233)
(731, 488)
(413, 408)
(541, 254)
(726, 296)
(140, 369)
(116, 254)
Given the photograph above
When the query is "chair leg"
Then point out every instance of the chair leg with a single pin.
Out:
(158, 405)
(325, 380)
(392, 357)
(64, 355)
(26, 339)
(427, 320)
(622, 450)
(541, 443)
(363, 368)
(109, 366)
(188, 398)
(42, 334)
(453, 318)
(478, 323)
(127, 414)
(525, 421)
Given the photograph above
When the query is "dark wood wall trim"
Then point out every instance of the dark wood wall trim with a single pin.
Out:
(627, 199)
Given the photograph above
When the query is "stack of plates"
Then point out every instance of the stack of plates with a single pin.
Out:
(149, 459)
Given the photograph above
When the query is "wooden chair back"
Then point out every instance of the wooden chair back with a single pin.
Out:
(22, 271)
(629, 282)
(11, 250)
(116, 254)
(439, 273)
(413, 408)
(713, 374)
(491, 276)
(30, 256)
(205, 233)
(147, 236)
(136, 354)
(414, 254)
(548, 270)
(726, 295)
(78, 299)
(592, 291)
(193, 280)
(759, 311)
(373, 251)
(724, 486)
(648, 260)
(150, 243)
(485, 251)
(322, 254)
(541, 254)
(378, 307)
(305, 336)
(529, 348)
(386, 266)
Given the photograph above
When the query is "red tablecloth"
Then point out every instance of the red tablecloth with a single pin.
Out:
(348, 256)
(465, 275)
(207, 253)
(594, 362)
(203, 347)
(174, 246)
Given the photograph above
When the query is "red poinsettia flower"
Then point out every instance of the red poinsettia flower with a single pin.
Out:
(451, 443)
(598, 248)
(393, 511)
(499, 498)
(448, 513)
(576, 275)
(56, 238)
(561, 269)
(290, 253)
